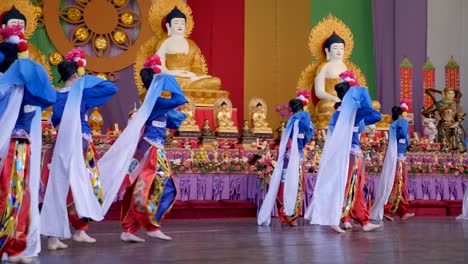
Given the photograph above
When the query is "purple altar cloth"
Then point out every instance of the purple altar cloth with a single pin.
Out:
(219, 186)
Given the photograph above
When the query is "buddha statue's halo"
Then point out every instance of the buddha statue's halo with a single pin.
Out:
(25, 8)
(323, 30)
(161, 8)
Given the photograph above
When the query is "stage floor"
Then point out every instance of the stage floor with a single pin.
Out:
(417, 240)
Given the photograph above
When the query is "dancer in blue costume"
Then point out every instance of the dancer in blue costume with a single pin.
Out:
(338, 194)
(70, 168)
(152, 189)
(392, 195)
(287, 183)
(25, 90)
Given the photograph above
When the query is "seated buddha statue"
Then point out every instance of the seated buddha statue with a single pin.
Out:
(189, 123)
(181, 57)
(260, 125)
(327, 75)
(224, 120)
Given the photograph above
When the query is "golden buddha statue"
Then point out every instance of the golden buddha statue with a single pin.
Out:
(189, 123)
(451, 135)
(207, 131)
(384, 123)
(258, 113)
(331, 44)
(223, 113)
(172, 23)
(95, 122)
(19, 12)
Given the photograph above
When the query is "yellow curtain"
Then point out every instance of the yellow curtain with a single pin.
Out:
(276, 51)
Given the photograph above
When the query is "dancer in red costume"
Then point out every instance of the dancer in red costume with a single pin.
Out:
(25, 89)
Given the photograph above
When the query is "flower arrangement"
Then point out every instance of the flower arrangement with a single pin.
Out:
(263, 165)
(233, 165)
(284, 111)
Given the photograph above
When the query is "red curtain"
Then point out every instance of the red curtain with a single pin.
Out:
(219, 32)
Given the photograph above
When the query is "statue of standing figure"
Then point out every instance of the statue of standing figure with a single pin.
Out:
(451, 134)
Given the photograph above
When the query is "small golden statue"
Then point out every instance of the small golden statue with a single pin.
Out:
(189, 124)
(384, 123)
(280, 130)
(451, 135)
(95, 122)
(223, 114)
(258, 113)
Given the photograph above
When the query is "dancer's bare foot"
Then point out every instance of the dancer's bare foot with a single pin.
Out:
(81, 236)
(347, 225)
(369, 227)
(158, 234)
(337, 229)
(129, 237)
(53, 243)
(407, 215)
(19, 259)
(389, 218)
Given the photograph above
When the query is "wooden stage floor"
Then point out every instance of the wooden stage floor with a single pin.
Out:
(417, 240)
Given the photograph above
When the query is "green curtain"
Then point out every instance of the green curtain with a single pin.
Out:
(357, 15)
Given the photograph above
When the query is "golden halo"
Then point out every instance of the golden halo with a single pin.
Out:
(146, 50)
(161, 8)
(27, 9)
(323, 30)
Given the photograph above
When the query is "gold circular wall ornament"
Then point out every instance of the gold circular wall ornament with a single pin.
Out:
(119, 37)
(55, 58)
(27, 9)
(127, 18)
(161, 8)
(120, 3)
(99, 59)
(74, 14)
(101, 43)
(81, 34)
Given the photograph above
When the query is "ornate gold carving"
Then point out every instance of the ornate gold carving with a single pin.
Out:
(161, 8)
(101, 32)
(74, 14)
(101, 43)
(120, 3)
(37, 12)
(55, 58)
(127, 18)
(323, 30)
(27, 9)
(81, 34)
(102, 76)
(119, 37)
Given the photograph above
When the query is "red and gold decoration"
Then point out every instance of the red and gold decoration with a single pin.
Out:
(428, 80)
(122, 31)
(406, 80)
(452, 74)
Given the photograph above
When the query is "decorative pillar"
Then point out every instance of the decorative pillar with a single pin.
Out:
(428, 81)
(452, 74)
(406, 87)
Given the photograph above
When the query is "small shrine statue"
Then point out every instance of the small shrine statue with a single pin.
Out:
(258, 111)
(95, 122)
(206, 129)
(168, 138)
(246, 132)
(189, 123)
(451, 135)
(223, 112)
(280, 130)
(430, 128)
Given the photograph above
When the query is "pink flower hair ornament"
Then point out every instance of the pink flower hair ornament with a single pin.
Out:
(154, 63)
(13, 34)
(350, 77)
(78, 56)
